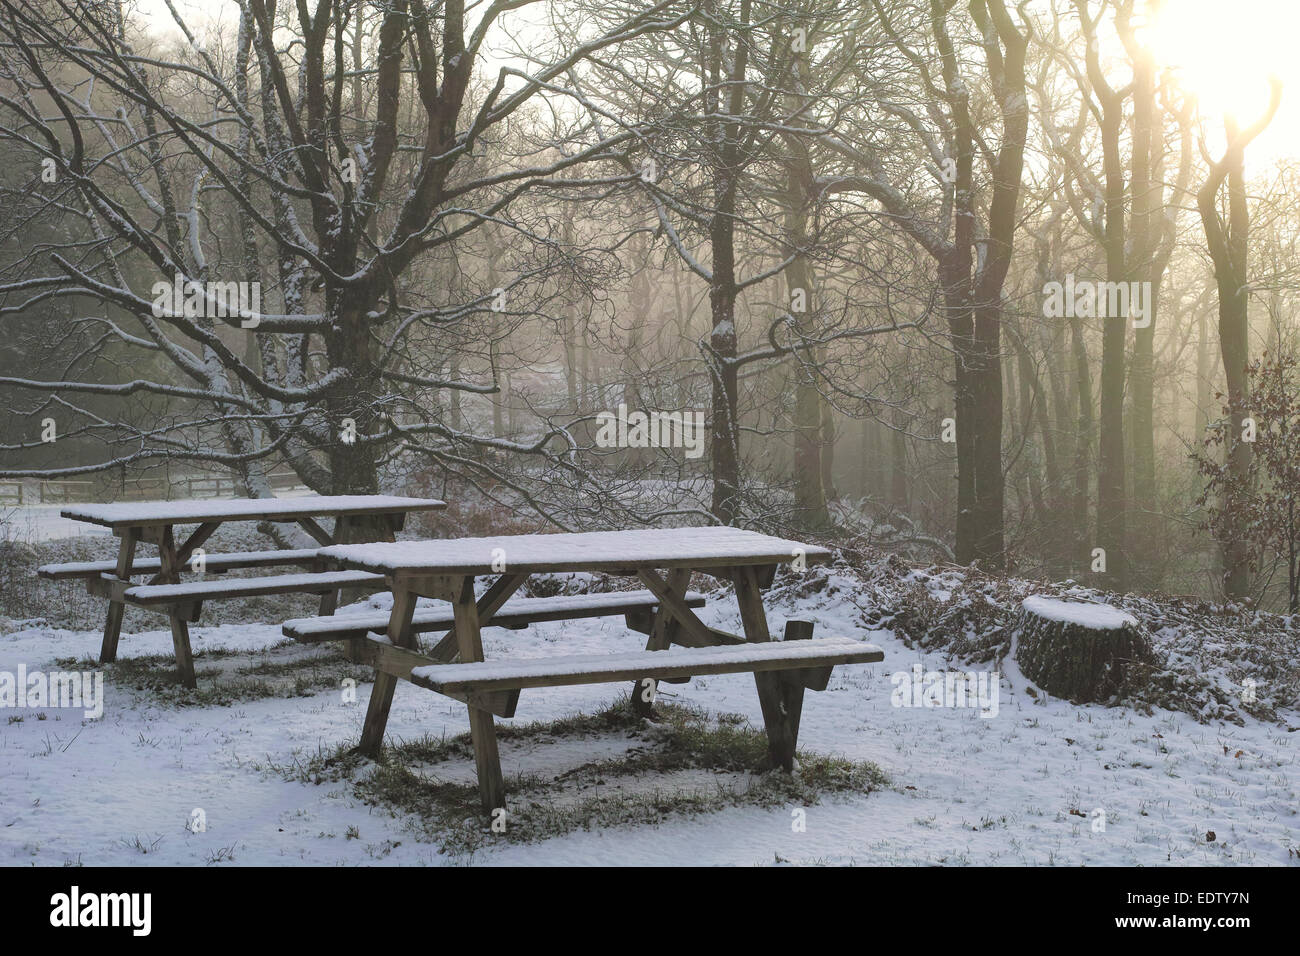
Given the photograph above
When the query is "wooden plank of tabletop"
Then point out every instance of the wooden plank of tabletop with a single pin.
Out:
(585, 551)
(144, 514)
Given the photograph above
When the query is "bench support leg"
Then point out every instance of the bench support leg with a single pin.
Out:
(482, 729)
(184, 656)
(112, 631)
(171, 561)
(113, 625)
(487, 760)
(381, 695)
(491, 602)
(661, 639)
(329, 601)
(350, 530)
(782, 703)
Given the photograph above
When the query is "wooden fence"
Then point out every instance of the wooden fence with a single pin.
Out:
(71, 491)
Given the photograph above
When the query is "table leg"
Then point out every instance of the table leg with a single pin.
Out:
(113, 626)
(329, 601)
(492, 601)
(661, 638)
(781, 705)
(381, 696)
(345, 530)
(170, 573)
(491, 786)
(181, 645)
(182, 554)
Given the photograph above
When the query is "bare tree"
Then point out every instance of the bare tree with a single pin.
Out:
(1227, 238)
(288, 166)
(967, 225)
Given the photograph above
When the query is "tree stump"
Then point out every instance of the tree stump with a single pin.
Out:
(1081, 652)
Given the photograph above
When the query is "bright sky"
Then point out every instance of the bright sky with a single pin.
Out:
(203, 15)
(1224, 51)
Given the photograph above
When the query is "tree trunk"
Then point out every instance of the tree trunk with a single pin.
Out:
(1111, 505)
(1229, 250)
(898, 464)
(989, 480)
(1085, 653)
(828, 433)
(809, 425)
(1082, 444)
(1203, 376)
(960, 328)
(1148, 196)
(809, 493)
(725, 438)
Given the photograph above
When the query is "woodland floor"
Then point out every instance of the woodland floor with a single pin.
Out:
(261, 749)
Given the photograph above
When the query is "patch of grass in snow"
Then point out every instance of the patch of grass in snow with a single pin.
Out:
(686, 762)
(226, 677)
(140, 844)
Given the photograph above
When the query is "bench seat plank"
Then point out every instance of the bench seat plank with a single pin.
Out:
(311, 583)
(486, 676)
(211, 562)
(516, 612)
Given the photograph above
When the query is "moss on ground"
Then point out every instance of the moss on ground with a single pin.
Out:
(154, 676)
(405, 780)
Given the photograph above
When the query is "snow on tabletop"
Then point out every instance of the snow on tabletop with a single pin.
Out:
(681, 656)
(1097, 617)
(153, 512)
(576, 551)
(443, 612)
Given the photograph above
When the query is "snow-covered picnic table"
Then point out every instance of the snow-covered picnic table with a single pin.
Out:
(155, 522)
(446, 570)
(147, 514)
(700, 548)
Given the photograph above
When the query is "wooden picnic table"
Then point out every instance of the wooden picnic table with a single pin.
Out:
(446, 570)
(154, 522)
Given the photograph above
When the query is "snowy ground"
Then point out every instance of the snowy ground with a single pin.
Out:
(32, 523)
(1018, 788)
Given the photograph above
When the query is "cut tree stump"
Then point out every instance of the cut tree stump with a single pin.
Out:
(1084, 653)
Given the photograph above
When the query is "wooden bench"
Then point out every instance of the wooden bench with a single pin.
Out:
(792, 657)
(782, 669)
(637, 607)
(193, 592)
(517, 613)
(212, 564)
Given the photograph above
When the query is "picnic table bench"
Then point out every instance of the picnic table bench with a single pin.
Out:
(446, 570)
(155, 522)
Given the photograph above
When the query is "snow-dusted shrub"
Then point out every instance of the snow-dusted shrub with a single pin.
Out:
(1213, 661)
